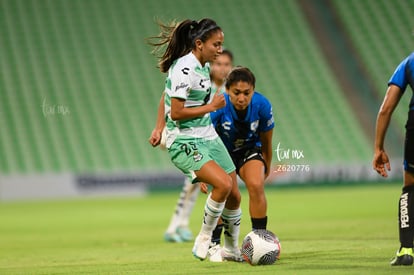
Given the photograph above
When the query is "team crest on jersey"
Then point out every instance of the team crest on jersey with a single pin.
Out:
(197, 156)
(254, 125)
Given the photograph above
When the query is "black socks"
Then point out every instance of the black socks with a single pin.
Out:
(260, 223)
(216, 237)
(406, 216)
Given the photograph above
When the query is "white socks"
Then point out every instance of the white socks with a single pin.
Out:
(212, 212)
(231, 221)
(191, 193)
(184, 207)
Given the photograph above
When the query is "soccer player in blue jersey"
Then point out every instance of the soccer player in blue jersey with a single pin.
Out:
(192, 142)
(402, 77)
(246, 125)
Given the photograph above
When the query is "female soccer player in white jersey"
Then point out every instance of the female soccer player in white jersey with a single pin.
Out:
(178, 228)
(192, 142)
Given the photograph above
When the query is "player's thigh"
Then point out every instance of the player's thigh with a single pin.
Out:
(188, 156)
(252, 173)
(214, 175)
(409, 151)
(408, 178)
(218, 152)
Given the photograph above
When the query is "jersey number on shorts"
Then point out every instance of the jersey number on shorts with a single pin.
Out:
(187, 148)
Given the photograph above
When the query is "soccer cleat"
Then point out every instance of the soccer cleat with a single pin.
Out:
(185, 234)
(172, 237)
(201, 246)
(231, 255)
(403, 257)
(214, 253)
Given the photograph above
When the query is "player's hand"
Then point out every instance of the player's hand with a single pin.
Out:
(203, 187)
(381, 163)
(155, 138)
(218, 101)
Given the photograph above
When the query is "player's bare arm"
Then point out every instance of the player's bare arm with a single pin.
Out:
(381, 162)
(179, 112)
(156, 133)
(266, 140)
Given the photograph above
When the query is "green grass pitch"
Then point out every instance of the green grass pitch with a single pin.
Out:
(335, 230)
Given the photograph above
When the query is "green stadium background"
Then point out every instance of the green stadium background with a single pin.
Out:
(79, 88)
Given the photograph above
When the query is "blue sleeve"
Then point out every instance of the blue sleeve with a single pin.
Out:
(399, 77)
(215, 116)
(266, 116)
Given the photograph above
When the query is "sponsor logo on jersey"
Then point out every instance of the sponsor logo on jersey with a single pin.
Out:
(185, 70)
(201, 83)
(182, 85)
(226, 125)
(270, 122)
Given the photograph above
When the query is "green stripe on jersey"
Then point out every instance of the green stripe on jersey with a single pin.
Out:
(198, 97)
(203, 71)
(168, 83)
(194, 122)
(167, 100)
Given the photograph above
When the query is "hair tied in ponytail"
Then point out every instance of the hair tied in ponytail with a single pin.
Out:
(194, 24)
(193, 30)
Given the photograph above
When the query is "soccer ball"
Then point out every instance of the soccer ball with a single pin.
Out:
(260, 247)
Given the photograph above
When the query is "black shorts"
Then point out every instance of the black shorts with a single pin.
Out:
(409, 143)
(242, 156)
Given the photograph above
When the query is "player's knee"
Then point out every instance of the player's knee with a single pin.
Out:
(223, 186)
(255, 188)
(227, 183)
(234, 199)
(255, 185)
(236, 195)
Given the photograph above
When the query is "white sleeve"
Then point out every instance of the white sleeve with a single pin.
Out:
(180, 81)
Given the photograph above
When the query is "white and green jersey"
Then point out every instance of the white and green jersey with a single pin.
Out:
(190, 81)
